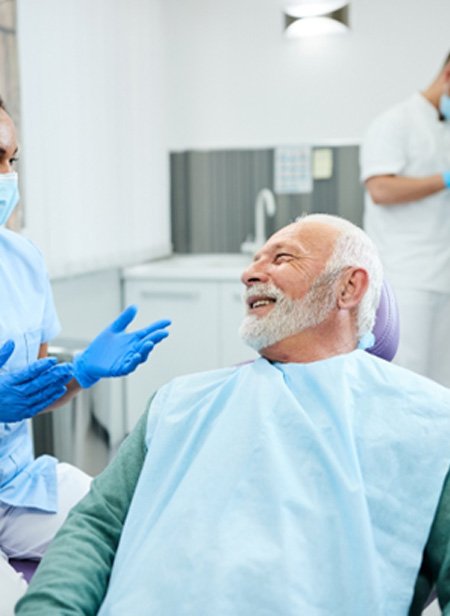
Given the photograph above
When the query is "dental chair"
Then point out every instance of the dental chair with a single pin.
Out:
(24, 566)
(386, 332)
(386, 329)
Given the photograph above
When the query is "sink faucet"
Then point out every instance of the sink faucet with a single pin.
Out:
(264, 204)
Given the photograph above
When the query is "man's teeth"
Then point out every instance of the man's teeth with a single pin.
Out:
(261, 302)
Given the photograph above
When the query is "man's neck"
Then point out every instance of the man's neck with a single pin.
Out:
(311, 345)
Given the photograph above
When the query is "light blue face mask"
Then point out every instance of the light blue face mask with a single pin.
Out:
(444, 106)
(9, 195)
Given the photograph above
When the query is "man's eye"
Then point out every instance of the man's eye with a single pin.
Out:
(14, 160)
(283, 256)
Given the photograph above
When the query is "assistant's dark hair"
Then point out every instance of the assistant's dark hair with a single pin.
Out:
(2, 104)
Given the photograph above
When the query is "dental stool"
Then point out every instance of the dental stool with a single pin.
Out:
(386, 332)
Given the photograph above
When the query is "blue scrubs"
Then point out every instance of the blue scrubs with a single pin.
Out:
(28, 317)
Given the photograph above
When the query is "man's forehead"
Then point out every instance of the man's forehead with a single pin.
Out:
(306, 233)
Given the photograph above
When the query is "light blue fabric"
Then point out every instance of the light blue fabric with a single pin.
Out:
(9, 195)
(27, 316)
(366, 341)
(288, 490)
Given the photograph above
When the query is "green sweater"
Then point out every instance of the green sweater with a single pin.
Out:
(74, 574)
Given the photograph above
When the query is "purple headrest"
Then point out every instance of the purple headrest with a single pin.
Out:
(26, 567)
(386, 329)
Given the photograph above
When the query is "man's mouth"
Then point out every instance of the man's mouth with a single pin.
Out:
(258, 302)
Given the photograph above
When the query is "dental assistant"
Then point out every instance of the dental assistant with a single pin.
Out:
(36, 494)
(405, 166)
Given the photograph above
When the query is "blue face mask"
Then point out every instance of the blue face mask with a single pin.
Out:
(444, 106)
(9, 195)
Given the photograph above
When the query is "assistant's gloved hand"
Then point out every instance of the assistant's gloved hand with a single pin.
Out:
(26, 392)
(446, 178)
(116, 353)
(6, 351)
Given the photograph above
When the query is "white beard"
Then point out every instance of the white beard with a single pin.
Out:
(288, 316)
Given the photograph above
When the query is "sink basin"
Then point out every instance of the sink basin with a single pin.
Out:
(212, 266)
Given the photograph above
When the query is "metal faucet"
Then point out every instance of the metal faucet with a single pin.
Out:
(265, 204)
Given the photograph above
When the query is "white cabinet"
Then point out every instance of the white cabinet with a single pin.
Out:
(206, 309)
(231, 312)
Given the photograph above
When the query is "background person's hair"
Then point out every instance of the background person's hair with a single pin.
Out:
(354, 248)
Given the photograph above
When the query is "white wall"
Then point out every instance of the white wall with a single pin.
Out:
(108, 86)
(94, 155)
(236, 81)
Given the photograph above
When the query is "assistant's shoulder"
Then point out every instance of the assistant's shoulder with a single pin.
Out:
(16, 245)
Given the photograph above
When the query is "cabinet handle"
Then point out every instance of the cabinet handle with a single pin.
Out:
(169, 295)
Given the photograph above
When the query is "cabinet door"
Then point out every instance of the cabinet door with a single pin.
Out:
(192, 345)
(232, 310)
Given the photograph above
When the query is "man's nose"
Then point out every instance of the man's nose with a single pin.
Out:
(254, 273)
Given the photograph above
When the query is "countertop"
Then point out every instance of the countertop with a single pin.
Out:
(214, 267)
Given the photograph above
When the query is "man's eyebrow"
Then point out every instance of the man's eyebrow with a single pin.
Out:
(289, 246)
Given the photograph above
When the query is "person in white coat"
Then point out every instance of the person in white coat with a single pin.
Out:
(405, 166)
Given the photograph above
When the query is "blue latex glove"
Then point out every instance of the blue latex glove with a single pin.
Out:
(26, 392)
(114, 352)
(446, 178)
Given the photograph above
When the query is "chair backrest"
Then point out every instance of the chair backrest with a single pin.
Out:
(25, 566)
(386, 329)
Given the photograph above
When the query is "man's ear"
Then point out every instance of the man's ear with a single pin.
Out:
(352, 288)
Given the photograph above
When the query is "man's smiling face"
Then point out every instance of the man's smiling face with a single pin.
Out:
(287, 290)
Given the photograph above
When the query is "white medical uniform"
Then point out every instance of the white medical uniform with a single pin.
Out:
(414, 238)
(32, 504)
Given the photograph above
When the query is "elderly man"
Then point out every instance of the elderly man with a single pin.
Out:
(309, 482)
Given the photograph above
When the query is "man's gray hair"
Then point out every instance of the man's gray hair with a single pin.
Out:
(354, 248)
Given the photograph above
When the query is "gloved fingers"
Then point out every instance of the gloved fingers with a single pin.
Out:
(158, 336)
(33, 371)
(153, 327)
(145, 349)
(41, 400)
(124, 319)
(127, 364)
(6, 351)
(63, 372)
(141, 351)
(53, 377)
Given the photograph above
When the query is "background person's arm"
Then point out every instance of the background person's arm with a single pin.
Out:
(73, 577)
(397, 189)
